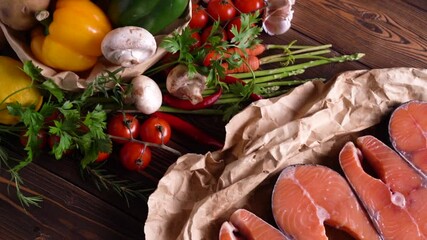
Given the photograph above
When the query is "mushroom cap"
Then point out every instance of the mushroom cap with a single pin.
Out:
(181, 85)
(128, 46)
(146, 94)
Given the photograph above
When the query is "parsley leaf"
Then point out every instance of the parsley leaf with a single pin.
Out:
(33, 120)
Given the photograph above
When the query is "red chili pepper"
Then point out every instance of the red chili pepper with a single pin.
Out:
(234, 80)
(187, 128)
(187, 105)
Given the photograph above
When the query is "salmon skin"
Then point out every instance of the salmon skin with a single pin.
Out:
(396, 201)
(305, 197)
(408, 133)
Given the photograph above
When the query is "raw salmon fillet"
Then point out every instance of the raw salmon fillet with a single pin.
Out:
(396, 201)
(252, 227)
(305, 197)
(408, 132)
(229, 232)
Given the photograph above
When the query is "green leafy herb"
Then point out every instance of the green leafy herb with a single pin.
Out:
(183, 43)
(80, 127)
(125, 188)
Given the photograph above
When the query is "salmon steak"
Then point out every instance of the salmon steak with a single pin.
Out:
(244, 224)
(229, 232)
(306, 197)
(408, 132)
(395, 199)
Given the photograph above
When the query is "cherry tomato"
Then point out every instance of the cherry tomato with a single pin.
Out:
(41, 139)
(155, 130)
(199, 17)
(207, 31)
(102, 156)
(135, 156)
(54, 139)
(198, 43)
(211, 56)
(247, 6)
(237, 22)
(55, 115)
(222, 10)
(125, 126)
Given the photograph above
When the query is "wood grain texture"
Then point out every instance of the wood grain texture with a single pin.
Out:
(68, 210)
(391, 33)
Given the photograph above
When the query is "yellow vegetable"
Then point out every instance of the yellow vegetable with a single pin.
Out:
(15, 87)
(74, 37)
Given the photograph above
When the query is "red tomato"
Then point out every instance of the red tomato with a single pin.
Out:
(211, 56)
(155, 130)
(207, 31)
(199, 17)
(54, 139)
(102, 156)
(56, 115)
(247, 6)
(41, 139)
(222, 10)
(198, 43)
(125, 126)
(135, 156)
(235, 22)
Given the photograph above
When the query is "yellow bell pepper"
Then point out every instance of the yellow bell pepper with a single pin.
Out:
(74, 37)
(15, 87)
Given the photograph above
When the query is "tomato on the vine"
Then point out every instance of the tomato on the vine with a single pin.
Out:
(210, 56)
(207, 32)
(102, 156)
(222, 10)
(237, 22)
(55, 115)
(135, 156)
(55, 139)
(41, 139)
(155, 130)
(247, 6)
(124, 126)
(199, 17)
(198, 38)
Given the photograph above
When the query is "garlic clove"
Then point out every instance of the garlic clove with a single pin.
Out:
(278, 16)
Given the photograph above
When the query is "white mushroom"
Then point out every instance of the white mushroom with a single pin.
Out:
(145, 94)
(128, 46)
(181, 84)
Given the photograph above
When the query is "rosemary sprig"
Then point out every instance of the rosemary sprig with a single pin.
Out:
(125, 188)
(15, 180)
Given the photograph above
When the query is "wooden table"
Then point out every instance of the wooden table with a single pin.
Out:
(391, 33)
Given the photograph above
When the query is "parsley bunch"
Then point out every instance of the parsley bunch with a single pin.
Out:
(80, 125)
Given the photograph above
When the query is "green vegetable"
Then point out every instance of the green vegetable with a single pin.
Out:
(164, 13)
(129, 12)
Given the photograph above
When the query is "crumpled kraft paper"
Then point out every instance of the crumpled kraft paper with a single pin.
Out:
(75, 81)
(308, 125)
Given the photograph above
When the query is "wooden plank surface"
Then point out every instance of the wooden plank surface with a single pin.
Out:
(391, 33)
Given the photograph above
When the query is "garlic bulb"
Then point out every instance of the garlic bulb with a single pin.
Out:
(277, 16)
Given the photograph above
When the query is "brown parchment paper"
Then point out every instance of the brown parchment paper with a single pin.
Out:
(308, 125)
(75, 81)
